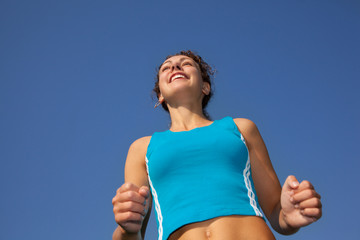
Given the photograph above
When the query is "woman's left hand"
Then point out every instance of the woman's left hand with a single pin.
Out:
(300, 203)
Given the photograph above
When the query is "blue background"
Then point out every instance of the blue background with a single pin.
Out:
(75, 92)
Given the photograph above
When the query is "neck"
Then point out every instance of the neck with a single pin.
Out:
(187, 118)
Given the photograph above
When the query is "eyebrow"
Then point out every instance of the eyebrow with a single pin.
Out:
(181, 59)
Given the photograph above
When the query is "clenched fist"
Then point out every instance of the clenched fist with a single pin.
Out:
(300, 203)
(131, 206)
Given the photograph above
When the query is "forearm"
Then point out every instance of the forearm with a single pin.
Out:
(278, 222)
(120, 234)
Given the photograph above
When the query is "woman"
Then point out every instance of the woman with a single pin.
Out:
(199, 171)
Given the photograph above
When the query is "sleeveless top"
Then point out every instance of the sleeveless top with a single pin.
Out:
(200, 174)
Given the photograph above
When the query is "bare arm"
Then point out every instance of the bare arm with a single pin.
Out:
(132, 202)
(282, 206)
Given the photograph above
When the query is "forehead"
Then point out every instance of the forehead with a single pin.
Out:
(177, 58)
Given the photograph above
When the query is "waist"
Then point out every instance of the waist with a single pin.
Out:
(228, 227)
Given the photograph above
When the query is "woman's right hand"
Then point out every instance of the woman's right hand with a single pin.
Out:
(131, 206)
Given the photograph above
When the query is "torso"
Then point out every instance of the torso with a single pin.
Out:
(230, 228)
(235, 227)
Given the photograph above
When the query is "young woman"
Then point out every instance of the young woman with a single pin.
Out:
(201, 175)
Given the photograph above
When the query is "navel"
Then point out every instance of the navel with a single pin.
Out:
(208, 234)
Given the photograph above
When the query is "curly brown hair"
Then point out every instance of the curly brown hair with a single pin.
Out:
(207, 74)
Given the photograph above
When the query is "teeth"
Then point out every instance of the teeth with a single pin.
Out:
(177, 76)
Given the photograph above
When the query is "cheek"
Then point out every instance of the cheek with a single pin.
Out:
(198, 76)
(196, 72)
(163, 76)
(162, 82)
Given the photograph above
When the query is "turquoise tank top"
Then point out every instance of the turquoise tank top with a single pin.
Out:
(200, 174)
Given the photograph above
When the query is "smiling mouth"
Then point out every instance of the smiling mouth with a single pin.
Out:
(177, 76)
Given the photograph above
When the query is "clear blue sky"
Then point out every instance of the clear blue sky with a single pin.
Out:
(75, 92)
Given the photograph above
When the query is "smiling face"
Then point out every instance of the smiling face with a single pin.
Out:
(179, 73)
(182, 72)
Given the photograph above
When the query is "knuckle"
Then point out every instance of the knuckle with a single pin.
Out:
(128, 216)
(130, 194)
(116, 209)
(307, 183)
(127, 186)
(309, 192)
(290, 177)
(114, 200)
(125, 206)
(313, 193)
(319, 203)
(131, 205)
(317, 211)
(131, 216)
(118, 219)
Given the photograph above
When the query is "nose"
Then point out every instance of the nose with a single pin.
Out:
(175, 66)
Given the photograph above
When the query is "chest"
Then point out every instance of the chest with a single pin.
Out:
(190, 153)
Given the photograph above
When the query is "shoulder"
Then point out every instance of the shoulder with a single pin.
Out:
(248, 129)
(140, 145)
(246, 126)
(141, 142)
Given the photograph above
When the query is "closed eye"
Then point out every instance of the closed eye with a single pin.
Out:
(165, 68)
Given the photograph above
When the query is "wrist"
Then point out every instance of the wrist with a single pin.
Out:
(121, 234)
(286, 228)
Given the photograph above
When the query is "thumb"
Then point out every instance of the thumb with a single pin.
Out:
(291, 183)
(144, 191)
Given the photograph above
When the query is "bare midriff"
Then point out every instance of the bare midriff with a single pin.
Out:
(228, 227)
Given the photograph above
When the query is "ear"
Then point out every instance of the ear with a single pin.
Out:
(160, 101)
(206, 88)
